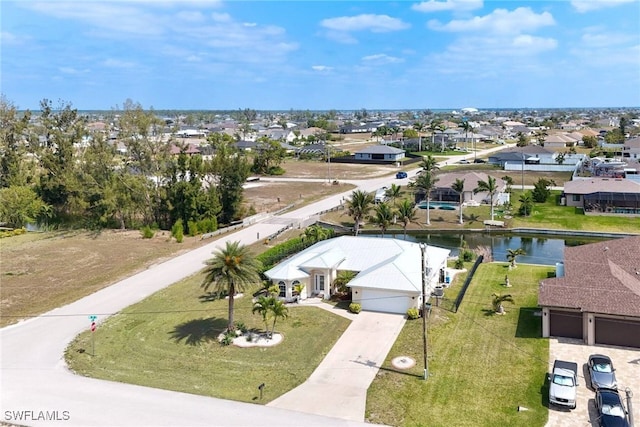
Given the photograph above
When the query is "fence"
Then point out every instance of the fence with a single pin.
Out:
(466, 283)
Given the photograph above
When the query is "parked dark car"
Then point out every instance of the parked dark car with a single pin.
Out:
(611, 411)
(479, 161)
(601, 371)
(401, 175)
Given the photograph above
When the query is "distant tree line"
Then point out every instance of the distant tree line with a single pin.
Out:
(55, 171)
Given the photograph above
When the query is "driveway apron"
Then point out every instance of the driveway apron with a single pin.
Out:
(338, 386)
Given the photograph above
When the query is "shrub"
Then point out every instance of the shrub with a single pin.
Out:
(177, 231)
(459, 265)
(413, 313)
(192, 226)
(354, 307)
(241, 327)
(208, 225)
(467, 255)
(147, 232)
(228, 337)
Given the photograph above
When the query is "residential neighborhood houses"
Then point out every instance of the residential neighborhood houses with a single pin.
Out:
(592, 298)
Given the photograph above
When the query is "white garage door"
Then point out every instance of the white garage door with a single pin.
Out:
(385, 301)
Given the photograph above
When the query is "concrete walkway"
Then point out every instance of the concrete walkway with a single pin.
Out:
(338, 386)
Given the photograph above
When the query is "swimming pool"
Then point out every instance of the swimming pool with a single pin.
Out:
(446, 206)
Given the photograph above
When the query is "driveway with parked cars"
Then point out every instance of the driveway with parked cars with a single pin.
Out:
(626, 362)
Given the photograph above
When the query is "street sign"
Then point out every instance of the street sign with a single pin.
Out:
(93, 326)
(93, 317)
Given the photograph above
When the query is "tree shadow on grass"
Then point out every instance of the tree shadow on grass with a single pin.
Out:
(195, 332)
(529, 324)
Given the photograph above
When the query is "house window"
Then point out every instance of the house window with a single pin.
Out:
(283, 289)
(293, 286)
(319, 283)
(576, 198)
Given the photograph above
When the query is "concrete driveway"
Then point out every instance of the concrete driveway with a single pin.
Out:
(627, 365)
(338, 387)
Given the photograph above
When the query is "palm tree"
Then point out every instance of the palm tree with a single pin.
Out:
(512, 254)
(458, 187)
(429, 163)
(406, 214)
(426, 181)
(382, 216)
(277, 311)
(466, 127)
(341, 280)
(358, 207)
(394, 192)
(231, 269)
(498, 299)
(315, 233)
(526, 200)
(261, 306)
(419, 127)
(490, 187)
(509, 181)
(435, 125)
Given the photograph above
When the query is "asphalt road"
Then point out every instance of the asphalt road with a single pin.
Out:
(36, 387)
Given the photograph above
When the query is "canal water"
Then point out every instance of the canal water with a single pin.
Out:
(540, 249)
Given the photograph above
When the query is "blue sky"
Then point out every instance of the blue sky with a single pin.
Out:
(319, 55)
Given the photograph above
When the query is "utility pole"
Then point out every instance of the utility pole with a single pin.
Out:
(423, 249)
(522, 178)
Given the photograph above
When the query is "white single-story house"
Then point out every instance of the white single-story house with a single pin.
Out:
(388, 271)
(380, 152)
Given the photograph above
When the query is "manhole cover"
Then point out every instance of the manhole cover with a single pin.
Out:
(403, 362)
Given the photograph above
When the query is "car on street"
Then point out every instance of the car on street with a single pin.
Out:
(611, 411)
(601, 372)
(479, 161)
(464, 162)
(401, 175)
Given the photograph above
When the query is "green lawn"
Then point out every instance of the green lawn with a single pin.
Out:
(169, 341)
(551, 215)
(482, 366)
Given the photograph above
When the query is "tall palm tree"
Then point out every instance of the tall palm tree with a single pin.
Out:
(406, 214)
(466, 127)
(315, 233)
(429, 163)
(458, 187)
(358, 207)
(394, 192)
(426, 182)
(491, 187)
(231, 269)
(497, 301)
(435, 125)
(382, 216)
(419, 127)
(512, 254)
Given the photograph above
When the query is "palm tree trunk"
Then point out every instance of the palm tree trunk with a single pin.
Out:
(428, 213)
(461, 221)
(232, 291)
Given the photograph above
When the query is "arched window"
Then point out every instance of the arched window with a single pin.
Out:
(283, 289)
(293, 286)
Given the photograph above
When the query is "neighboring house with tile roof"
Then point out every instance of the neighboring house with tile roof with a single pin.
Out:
(388, 279)
(597, 297)
(444, 193)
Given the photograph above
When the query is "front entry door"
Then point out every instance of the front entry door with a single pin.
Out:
(319, 284)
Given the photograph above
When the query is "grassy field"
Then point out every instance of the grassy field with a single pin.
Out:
(482, 366)
(169, 341)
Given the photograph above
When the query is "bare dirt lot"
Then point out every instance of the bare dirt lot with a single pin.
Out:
(334, 171)
(41, 271)
(266, 196)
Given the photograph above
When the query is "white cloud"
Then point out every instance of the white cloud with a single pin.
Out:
(72, 71)
(249, 24)
(584, 6)
(190, 16)
(500, 21)
(381, 59)
(321, 68)
(365, 22)
(221, 17)
(454, 5)
(602, 39)
(117, 63)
